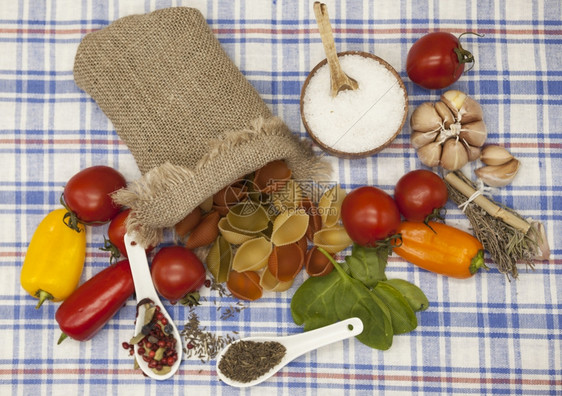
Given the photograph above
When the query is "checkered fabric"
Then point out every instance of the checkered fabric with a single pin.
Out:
(483, 335)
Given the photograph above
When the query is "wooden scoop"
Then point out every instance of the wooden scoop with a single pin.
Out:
(339, 81)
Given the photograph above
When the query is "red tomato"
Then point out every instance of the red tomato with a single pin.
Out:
(87, 194)
(116, 234)
(437, 60)
(369, 215)
(419, 194)
(176, 271)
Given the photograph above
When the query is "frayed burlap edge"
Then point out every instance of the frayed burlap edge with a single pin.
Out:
(166, 194)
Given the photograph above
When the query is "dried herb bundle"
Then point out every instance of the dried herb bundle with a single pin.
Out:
(246, 361)
(503, 232)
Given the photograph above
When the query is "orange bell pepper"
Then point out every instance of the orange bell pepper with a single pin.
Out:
(440, 248)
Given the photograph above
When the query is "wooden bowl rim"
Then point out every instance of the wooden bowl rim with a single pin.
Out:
(361, 154)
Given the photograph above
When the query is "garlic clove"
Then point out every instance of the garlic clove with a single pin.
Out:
(453, 99)
(495, 155)
(445, 114)
(470, 111)
(463, 107)
(419, 139)
(498, 175)
(454, 155)
(473, 152)
(430, 154)
(425, 118)
(474, 133)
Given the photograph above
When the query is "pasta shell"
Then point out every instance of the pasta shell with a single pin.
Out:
(289, 196)
(232, 235)
(188, 223)
(314, 218)
(316, 263)
(222, 210)
(219, 259)
(229, 195)
(303, 244)
(285, 262)
(332, 239)
(252, 255)
(272, 176)
(271, 283)
(205, 232)
(248, 217)
(244, 285)
(329, 205)
(267, 232)
(254, 194)
(289, 227)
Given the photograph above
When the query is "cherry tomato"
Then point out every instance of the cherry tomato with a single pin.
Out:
(420, 194)
(176, 271)
(87, 194)
(369, 215)
(437, 60)
(116, 234)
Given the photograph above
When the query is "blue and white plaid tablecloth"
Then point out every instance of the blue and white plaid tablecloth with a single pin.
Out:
(484, 335)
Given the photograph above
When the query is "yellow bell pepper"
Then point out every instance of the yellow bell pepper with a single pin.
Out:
(54, 260)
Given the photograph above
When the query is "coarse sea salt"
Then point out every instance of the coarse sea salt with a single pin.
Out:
(360, 120)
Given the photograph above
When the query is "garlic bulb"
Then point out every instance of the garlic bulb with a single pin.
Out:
(450, 132)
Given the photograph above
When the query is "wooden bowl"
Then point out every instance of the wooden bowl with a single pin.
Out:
(344, 154)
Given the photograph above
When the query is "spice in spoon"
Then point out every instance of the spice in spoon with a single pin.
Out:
(156, 341)
(246, 361)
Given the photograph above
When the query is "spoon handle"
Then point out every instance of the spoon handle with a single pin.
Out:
(136, 254)
(307, 341)
(338, 79)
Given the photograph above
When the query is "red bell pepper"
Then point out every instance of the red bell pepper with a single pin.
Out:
(95, 302)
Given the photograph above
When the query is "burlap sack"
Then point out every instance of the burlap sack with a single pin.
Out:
(191, 120)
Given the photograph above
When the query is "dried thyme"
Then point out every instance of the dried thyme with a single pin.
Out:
(506, 244)
(201, 343)
(246, 361)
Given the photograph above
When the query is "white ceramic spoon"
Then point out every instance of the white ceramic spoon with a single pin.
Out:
(297, 345)
(144, 288)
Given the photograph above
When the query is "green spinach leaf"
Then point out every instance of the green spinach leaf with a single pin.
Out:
(402, 316)
(313, 302)
(337, 296)
(367, 264)
(413, 294)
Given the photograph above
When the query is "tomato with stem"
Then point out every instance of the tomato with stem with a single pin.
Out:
(87, 195)
(420, 195)
(369, 215)
(176, 271)
(437, 60)
(115, 242)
